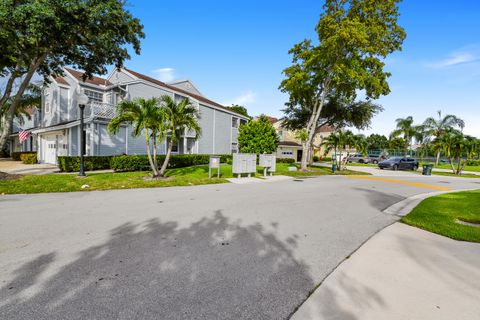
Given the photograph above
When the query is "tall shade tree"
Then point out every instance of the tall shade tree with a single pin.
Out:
(41, 37)
(406, 129)
(355, 36)
(257, 136)
(438, 126)
(179, 118)
(146, 118)
(377, 142)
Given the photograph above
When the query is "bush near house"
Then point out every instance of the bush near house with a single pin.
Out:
(29, 158)
(132, 162)
(16, 156)
(316, 158)
(72, 163)
(285, 160)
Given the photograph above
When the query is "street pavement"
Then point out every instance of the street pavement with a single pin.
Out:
(228, 251)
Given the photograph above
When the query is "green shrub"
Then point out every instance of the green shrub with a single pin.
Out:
(285, 160)
(473, 163)
(140, 162)
(72, 163)
(316, 158)
(133, 162)
(16, 156)
(29, 158)
(327, 159)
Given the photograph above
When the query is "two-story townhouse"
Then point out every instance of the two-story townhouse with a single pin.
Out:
(59, 131)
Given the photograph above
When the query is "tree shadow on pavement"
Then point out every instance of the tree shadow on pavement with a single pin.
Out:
(212, 269)
(380, 200)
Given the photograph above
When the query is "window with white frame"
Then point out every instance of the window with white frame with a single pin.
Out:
(234, 122)
(94, 96)
(174, 146)
(47, 102)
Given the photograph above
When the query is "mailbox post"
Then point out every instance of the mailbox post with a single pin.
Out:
(244, 163)
(214, 163)
(268, 162)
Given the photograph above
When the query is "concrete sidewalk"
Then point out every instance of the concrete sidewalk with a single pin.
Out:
(17, 167)
(401, 273)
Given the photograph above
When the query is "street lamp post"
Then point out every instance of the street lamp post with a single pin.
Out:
(82, 101)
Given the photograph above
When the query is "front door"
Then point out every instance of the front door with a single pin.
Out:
(299, 155)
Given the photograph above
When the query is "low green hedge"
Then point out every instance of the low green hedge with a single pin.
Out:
(29, 158)
(285, 160)
(140, 162)
(16, 156)
(132, 162)
(72, 163)
(316, 158)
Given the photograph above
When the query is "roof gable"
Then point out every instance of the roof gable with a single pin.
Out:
(94, 80)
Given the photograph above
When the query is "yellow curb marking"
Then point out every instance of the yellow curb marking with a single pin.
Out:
(416, 184)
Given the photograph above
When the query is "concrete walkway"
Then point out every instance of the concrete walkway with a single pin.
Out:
(17, 167)
(401, 273)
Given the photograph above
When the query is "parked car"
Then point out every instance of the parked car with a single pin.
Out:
(399, 163)
(357, 157)
(375, 158)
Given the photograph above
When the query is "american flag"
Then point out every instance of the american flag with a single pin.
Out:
(22, 136)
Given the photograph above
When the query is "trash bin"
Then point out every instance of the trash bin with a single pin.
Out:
(334, 167)
(427, 169)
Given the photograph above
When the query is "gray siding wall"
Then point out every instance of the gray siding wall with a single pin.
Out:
(223, 129)
(106, 144)
(137, 145)
(145, 91)
(63, 115)
(205, 142)
(120, 77)
(74, 145)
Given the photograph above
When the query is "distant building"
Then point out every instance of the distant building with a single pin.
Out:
(290, 147)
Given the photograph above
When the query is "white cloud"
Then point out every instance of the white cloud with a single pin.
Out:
(244, 99)
(164, 74)
(455, 59)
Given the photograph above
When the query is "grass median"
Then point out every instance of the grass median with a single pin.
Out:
(188, 176)
(454, 215)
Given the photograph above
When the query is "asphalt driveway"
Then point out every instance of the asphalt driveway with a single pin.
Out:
(252, 251)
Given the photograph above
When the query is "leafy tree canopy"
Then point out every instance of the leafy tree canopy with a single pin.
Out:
(239, 109)
(258, 136)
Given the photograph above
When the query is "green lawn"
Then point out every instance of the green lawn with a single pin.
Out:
(439, 214)
(449, 174)
(195, 175)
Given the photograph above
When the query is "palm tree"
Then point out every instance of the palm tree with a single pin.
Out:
(405, 128)
(361, 144)
(422, 137)
(178, 117)
(438, 127)
(339, 141)
(146, 117)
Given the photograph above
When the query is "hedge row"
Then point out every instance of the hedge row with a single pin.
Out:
(72, 163)
(132, 162)
(16, 156)
(285, 160)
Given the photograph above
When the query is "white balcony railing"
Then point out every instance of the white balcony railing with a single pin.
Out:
(100, 110)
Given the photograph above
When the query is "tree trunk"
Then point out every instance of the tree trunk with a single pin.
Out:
(438, 158)
(155, 162)
(312, 122)
(149, 154)
(451, 165)
(167, 159)
(8, 89)
(7, 130)
(459, 163)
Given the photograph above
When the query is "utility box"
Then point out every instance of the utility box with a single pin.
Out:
(268, 162)
(244, 163)
(214, 163)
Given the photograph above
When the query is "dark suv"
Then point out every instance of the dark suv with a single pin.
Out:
(399, 163)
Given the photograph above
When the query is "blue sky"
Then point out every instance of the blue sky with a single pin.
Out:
(235, 51)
